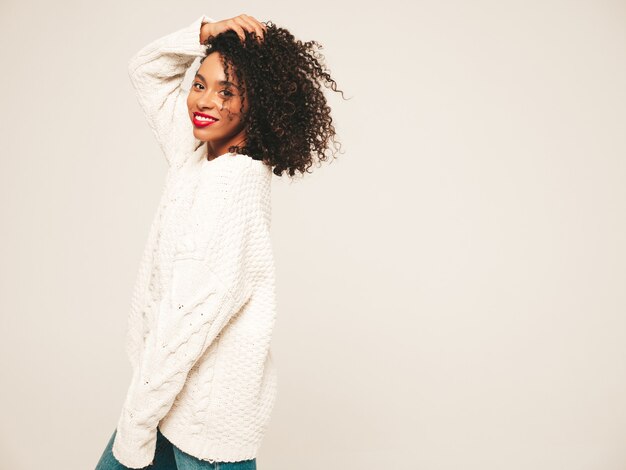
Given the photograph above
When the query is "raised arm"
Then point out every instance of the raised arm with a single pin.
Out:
(156, 73)
(207, 288)
(158, 70)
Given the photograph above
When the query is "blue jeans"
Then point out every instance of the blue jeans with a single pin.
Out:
(169, 457)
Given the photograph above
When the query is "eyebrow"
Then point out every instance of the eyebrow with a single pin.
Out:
(221, 82)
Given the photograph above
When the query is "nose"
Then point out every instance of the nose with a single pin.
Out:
(207, 100)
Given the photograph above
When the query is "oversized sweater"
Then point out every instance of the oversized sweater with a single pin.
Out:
(203, 305)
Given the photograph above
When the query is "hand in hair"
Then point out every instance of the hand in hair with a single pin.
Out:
(237, 24)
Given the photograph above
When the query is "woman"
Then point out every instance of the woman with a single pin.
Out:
(203, 308)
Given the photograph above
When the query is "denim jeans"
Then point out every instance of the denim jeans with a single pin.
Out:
(169, 457)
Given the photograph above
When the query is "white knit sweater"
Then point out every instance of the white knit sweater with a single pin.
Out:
(203, 306)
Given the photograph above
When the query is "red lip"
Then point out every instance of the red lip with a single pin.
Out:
(199, 123)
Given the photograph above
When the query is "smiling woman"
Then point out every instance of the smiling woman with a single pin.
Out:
(215, 108)
(203, 309)
(268, 86)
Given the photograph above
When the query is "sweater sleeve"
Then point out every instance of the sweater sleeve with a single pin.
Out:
(156, 73)
(207, 289)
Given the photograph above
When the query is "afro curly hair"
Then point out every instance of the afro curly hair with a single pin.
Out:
(288, 124)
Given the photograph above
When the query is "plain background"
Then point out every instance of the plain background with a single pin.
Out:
(451, 289)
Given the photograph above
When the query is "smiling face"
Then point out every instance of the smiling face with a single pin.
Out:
(214, 107)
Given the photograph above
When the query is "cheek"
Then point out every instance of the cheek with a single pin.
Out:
(235, 113)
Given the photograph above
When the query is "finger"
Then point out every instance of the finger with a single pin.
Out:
(260, 28)
(235, 25)
(261, 25)
(251, 25)
(242, 26)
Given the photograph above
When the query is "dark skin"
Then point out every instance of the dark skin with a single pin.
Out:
(210, 95)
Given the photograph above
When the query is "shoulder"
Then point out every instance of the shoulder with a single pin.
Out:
(241, 162)
(233, 199)
(245, 177)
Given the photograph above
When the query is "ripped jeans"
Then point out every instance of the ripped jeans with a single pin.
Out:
(169, 457)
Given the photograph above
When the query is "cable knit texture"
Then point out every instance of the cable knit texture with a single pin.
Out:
(203, 307)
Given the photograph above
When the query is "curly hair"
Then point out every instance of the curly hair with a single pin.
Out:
(288, 124)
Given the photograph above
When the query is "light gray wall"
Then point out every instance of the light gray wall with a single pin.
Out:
(451, 289)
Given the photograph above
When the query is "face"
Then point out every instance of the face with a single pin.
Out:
(211, 96)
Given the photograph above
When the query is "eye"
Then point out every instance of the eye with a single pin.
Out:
(197, 83)
(228, 93)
